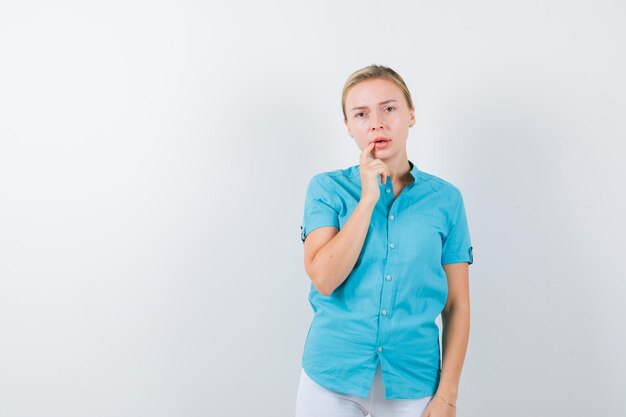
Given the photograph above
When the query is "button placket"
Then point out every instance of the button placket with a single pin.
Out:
(392, 234)
(387, 290)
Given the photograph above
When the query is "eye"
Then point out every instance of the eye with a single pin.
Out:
(359, 114)
(390, 108)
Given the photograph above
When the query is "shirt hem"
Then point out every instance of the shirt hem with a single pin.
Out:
(331, 385)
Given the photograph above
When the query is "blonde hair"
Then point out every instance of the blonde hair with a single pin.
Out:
(372, 72)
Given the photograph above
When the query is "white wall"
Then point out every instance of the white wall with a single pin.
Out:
(153, 163)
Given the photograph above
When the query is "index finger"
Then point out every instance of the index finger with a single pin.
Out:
(367, 153)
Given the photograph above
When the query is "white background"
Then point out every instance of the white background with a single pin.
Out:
(153, 164)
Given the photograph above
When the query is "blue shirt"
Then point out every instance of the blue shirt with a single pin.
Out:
(386, 308)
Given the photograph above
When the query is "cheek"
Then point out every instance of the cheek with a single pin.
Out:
(359, 126)
(398, 122)
(396, 117)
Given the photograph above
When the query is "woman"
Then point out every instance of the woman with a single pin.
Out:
(387, 248)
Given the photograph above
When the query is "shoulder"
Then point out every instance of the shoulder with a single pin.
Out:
(337, 176)
(441, 186)
(350, 171)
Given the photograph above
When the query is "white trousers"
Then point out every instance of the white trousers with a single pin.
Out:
(314, 400)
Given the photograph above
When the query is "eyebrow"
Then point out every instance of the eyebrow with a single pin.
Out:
(380, 104)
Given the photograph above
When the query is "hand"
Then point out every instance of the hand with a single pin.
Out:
(439, 408)
(370, 168)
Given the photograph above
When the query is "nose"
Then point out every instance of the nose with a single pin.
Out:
(376, 122)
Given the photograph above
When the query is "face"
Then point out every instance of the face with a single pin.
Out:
(377, 109)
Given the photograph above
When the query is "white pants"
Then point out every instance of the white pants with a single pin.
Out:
(313, 400)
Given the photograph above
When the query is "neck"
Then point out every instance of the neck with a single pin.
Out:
(399, 170)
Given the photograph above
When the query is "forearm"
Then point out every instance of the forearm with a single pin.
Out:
(456, 323)
(336, 259)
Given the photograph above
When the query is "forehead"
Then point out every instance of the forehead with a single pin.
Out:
(371, 92)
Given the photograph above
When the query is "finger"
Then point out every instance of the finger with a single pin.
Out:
(381, 169)
(383, 174)
(366, 154)
(385, 171)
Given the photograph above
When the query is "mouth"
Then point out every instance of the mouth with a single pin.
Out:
(380, 139)
(381, 142)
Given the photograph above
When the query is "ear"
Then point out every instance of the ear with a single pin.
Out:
(412, 117)
(345, 122)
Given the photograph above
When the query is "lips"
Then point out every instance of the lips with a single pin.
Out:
(381, 143)
(380, 139)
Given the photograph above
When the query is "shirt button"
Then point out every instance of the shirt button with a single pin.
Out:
(379, 349)
(391, 217)
(388, 277)
(384, 312)
(387, 190)
(391, 245)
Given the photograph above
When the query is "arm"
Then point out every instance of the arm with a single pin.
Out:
(330, 255)
(456, 323)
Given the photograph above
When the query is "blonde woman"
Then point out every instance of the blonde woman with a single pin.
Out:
(387, 248)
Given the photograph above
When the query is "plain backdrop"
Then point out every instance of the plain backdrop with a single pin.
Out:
(153, 163)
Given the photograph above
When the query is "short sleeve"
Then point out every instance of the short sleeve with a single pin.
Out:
(457, 245)
(319, 207)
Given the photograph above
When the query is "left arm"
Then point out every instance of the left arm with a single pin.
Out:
(455, 318)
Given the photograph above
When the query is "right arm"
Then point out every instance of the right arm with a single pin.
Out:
(330, 254)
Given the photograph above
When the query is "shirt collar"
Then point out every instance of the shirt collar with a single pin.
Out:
(415, 172)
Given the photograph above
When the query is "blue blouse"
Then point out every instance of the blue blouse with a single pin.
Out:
(386, 308)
